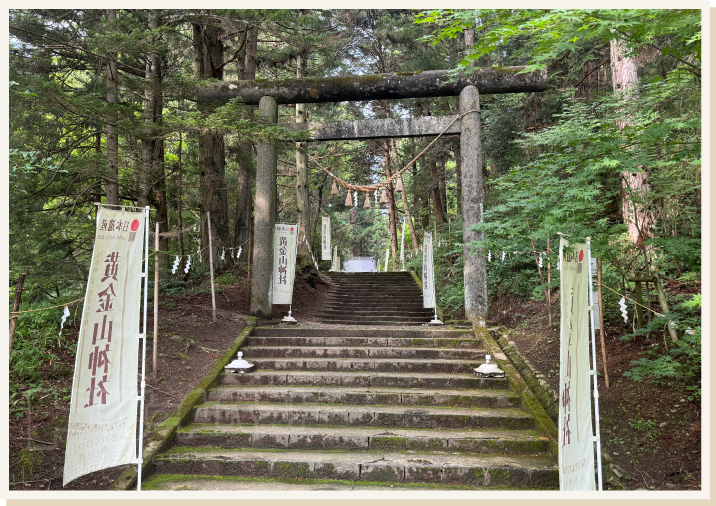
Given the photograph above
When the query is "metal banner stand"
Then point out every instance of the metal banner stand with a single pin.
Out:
(593, 372)
(143, 336)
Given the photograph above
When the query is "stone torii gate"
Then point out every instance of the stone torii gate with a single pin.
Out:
(268, 93)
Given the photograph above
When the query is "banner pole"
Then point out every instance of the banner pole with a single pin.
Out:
(156, 302)
(211, 268)
(594, 363)
(145, 275)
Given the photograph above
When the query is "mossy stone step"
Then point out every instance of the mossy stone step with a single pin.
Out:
(387, 331)
(383, 342)
(362, 352)
(349, 438)
(370, 364)
(365, 396)
(488, 471)
(364, 416)
(364, 379)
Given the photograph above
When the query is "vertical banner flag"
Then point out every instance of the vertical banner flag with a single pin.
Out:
(428, 279)
(402, 244)
(284, 262)
(326, 238)
(576, 438)
(102, 426)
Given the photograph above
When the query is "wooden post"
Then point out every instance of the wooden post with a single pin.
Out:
(549, 286)
(156, 302)
(639, 300)
(264, 216)
(16, 306)
(211, 268)
(601, 320)
(664, 306)
(248, 260)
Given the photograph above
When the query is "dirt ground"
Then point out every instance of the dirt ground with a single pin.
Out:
(649, 429)
(188, 346)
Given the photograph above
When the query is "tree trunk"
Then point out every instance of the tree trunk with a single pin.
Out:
(406, 207)
(16, 307)
(435, 191)
(111, 127)
(301, 171)
(211, 148)
(242, 224)
(635, 186)
(148, 143)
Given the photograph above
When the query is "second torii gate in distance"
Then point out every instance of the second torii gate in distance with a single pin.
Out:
(268, 93)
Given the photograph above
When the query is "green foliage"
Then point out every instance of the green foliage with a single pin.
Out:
(37, 342)
(548, 34)
(648, 427)
(227, 278)
(682, 362)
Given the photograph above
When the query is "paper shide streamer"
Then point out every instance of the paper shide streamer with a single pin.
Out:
(64, 318)
(176, 265)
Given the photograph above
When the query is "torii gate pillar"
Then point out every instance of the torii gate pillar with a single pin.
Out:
(473, 196)
(264, 216)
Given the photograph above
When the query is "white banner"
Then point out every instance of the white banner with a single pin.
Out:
(103, 409)
(576, 446)
(428, 278)
(326, 238)
(284, 262)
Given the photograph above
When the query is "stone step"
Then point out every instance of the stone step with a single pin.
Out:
(371, 364)
(422, 417)
(251, 352)
(377, 313)
(367, 320)
(515, 442)
(364, 379)
(369, 304)
(383, 342)
(364, 396)
(376, 294)
(370, 288)
(323, 331)
(184, 482)
(481, 471)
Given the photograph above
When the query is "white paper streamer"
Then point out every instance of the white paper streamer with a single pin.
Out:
(623, 307)
(503, 257)
(64, 317)
(223, 252)
(540, 261)
(489, 256)
(355, 198)
(176, 265)
(200, 261)
(188, 264)
(238, 253)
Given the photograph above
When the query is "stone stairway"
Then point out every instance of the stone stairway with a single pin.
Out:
(374, 298)
(344, 409)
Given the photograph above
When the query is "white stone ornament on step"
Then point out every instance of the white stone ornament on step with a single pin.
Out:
(239, 365)
(489, 370)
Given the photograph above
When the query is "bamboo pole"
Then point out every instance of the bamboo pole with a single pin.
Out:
(601, 320)
(16, 306)
(211, 269)
(156, 302)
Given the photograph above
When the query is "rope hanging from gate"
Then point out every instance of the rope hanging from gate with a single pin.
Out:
(369, 188)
